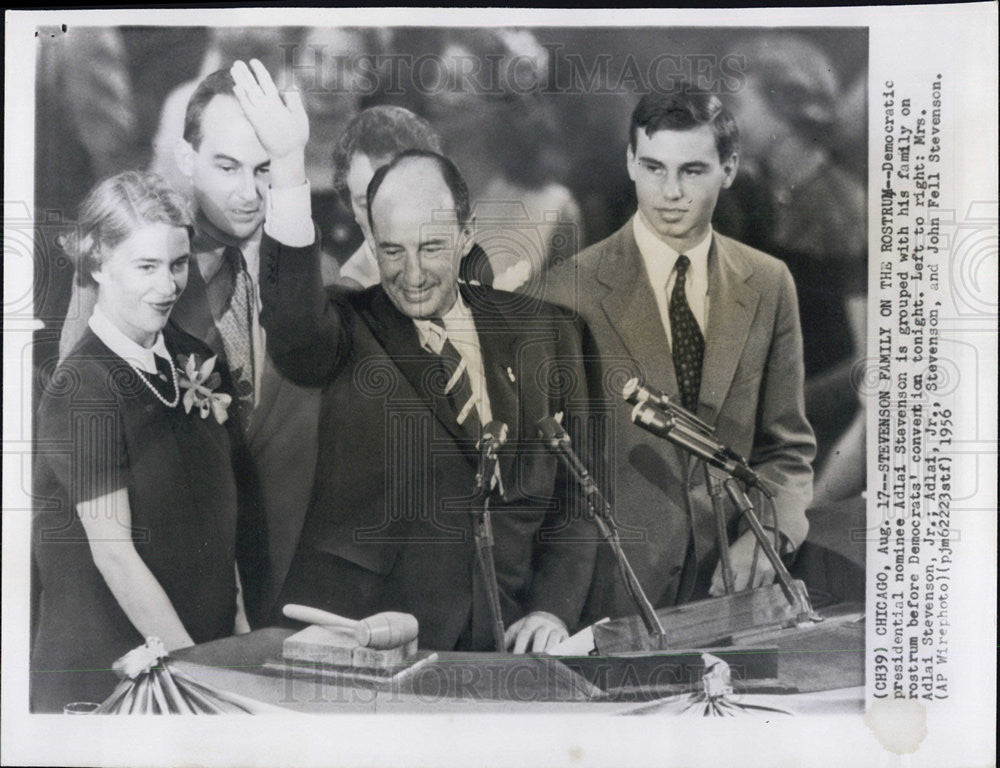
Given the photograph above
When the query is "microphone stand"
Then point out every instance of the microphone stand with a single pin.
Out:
(600, 513)
(483, 530)
(635, 392)
(482, 527)
(676, 416)
(794, 591)
(715, 494)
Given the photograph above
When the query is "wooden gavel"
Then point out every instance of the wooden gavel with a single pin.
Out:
(381, 631)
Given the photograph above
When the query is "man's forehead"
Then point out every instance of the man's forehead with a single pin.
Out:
(415, 189)
(672, 145)
(224, 128)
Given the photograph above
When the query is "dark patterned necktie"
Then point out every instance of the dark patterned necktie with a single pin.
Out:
(236, 328)
(688, 345)
(457, 382)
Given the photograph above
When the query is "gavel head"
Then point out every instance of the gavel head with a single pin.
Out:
(386, 630)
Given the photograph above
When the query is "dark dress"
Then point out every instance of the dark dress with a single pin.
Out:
(101, 429)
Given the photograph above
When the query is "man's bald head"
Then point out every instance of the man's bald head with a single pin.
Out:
(427, 162)
(418, 209)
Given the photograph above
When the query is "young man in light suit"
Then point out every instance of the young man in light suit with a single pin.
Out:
(714, 324)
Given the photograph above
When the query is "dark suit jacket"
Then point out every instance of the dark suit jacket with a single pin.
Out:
(389, 527)
(281, 438)
(751, 391)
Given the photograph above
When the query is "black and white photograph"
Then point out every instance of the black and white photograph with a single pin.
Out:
(500, 368)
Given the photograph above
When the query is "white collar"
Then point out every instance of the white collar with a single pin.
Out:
(651, 246)
(456, 320)
(127, 349)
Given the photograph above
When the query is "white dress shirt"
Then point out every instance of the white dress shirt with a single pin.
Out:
(288, 216)
(127, 349)
(660, 260)
(461, 330)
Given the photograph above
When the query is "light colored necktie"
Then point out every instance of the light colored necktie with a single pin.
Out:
(236, 328)
(457, 387)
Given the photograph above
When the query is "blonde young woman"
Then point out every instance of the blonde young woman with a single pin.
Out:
(139, 480)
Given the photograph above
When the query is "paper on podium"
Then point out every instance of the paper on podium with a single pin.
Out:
(580, 644)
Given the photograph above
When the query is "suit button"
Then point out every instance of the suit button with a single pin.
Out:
(675, 570)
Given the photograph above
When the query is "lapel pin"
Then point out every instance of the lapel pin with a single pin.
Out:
(510, 374)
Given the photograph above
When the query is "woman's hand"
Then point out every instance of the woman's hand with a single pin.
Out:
(107, 521)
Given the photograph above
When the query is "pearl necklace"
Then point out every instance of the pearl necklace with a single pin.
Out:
(154, 390)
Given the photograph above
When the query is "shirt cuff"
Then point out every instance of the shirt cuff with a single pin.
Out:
(288, 217)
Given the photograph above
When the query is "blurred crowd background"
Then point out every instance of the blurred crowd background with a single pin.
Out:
(537, 120)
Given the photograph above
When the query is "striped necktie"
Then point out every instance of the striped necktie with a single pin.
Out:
(236, 329)
(457, 387)
(687, 343)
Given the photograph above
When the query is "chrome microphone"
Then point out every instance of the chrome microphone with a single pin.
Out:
(670, 428)
(494, 438)
(552, 432)
(635, 392)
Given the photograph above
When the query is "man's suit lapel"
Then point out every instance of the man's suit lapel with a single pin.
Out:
(633, 313)
(732, 305)
(397, 334)
(498, 344)
(193, 313)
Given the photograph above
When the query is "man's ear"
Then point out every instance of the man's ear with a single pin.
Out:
(468, 236)
(630, 162)
(184, 157)
(729, 168)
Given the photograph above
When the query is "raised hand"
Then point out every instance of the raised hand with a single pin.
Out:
(281, 124)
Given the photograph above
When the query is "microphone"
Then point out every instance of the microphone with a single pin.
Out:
(494, 438)
(635, 392)
(552, 432)
(671, 428)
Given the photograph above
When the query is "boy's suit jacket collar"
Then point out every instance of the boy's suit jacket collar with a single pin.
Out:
(632, 311)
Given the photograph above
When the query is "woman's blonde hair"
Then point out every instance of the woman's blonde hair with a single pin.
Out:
(114, 209)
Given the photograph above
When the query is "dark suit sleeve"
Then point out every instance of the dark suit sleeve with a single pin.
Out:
(784, 445)
(251, 523)
(306, 332)
(567, 541)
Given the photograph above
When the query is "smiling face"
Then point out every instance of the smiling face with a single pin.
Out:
(228, 171)
(678, 176)
(418, 240)
(141, 278)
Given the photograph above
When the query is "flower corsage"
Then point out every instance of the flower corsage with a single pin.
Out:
(200, 382)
